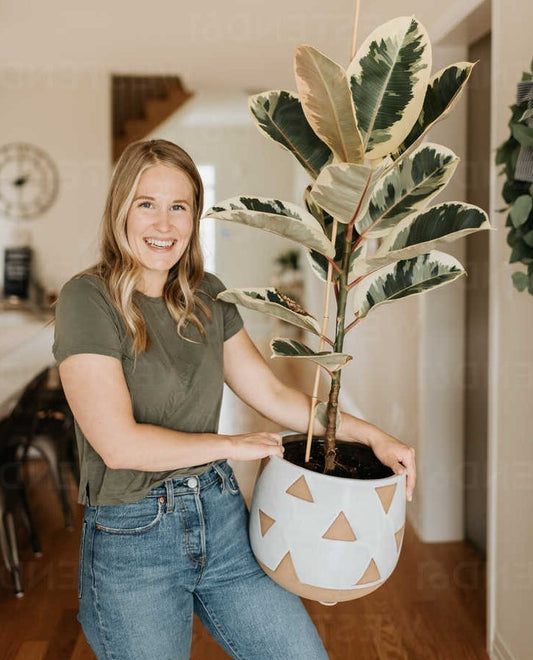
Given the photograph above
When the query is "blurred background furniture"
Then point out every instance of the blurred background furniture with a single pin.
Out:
(35, 422)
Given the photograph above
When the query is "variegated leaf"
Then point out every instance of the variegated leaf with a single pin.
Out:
(408, 187)
(405, 278)
(327, 103)
(442, 93)
(344, 189)
(358, 259)
(295, 349)
(420, 232)
(279, 115)
(281, 218)
(318, 262)
(272, 302)
(314, 209)
(388, 79)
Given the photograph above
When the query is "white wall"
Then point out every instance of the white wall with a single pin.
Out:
(213, 45)
(441, 358)
(511, 375)
(216, 129)
(66, 113)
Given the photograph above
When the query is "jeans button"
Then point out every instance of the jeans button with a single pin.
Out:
(192, 482)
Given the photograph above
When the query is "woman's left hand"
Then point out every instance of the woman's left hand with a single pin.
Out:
(399, 457)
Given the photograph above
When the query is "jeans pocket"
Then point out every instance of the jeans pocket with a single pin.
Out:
(81, 558)
(128, 519)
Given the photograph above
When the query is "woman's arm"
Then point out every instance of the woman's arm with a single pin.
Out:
(98, 396)
(252, 380)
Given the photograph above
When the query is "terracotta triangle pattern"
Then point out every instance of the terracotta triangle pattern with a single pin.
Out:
(285, 574)
(340, 529)
(371, 574)
(385, 494)
(300, 489)
(399, 537)
(265, 522)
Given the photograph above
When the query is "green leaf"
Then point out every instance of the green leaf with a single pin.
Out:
(279, 115)
(520, 210)
(327, 103)
(522, 133)
(521, 252)
(318, 262)
(528, 238)
(272, 302)
(528, 114)
(281, 218)
(520, 280)
(343, 189)
(408, 187)
(505, 151)
(388, 78)
(420, 232)
(405, 278)
(442, 93)
(294, 349)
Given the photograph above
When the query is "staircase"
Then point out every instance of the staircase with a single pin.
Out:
(140, 103)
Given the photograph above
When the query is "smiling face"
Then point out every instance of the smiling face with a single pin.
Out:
(160, 223)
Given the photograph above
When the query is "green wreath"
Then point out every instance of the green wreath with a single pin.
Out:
(516, 155)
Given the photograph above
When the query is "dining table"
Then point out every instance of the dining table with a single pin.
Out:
(26, 337)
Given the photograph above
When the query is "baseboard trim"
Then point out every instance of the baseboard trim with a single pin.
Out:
(500, 650)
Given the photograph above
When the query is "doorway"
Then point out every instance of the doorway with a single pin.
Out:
(477, 299)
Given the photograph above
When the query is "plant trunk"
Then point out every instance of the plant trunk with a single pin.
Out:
(333, 401)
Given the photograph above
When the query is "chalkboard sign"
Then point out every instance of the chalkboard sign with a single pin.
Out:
(17, 266)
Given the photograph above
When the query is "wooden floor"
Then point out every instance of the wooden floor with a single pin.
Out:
(431, 608)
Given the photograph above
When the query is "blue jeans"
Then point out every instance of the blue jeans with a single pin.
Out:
(145, 567)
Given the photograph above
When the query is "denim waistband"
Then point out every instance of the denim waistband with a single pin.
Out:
(217, 472)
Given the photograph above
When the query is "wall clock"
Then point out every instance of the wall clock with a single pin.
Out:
(28, 180)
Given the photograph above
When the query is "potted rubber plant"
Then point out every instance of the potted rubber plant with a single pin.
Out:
(327, 523)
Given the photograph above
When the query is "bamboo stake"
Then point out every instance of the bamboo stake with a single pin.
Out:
(323, 331)
(325, 318)
(355, 24)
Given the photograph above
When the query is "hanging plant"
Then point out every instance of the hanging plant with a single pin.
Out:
(516, 155)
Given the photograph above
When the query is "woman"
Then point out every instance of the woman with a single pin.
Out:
(143, 348)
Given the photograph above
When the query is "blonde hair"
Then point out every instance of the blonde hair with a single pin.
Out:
(120, 269)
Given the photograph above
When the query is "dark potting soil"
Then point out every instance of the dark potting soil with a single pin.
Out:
(353, 460)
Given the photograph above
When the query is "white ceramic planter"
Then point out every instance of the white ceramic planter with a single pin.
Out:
(326, 538)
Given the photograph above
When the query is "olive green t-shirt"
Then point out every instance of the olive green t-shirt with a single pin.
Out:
(175, 384)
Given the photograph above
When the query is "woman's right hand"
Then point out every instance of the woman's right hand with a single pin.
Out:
(251, 446)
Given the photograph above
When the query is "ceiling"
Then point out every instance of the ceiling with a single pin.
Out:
(228, 45)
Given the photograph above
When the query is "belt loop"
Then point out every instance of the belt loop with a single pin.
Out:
(170, 495)
(222, 476)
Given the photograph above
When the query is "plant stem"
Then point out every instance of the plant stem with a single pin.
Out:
(325, 320)
(333, 401)
(341, 294)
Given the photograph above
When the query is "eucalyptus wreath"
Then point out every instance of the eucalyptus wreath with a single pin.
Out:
(516, 155)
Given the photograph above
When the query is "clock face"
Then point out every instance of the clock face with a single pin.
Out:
(28, 180)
